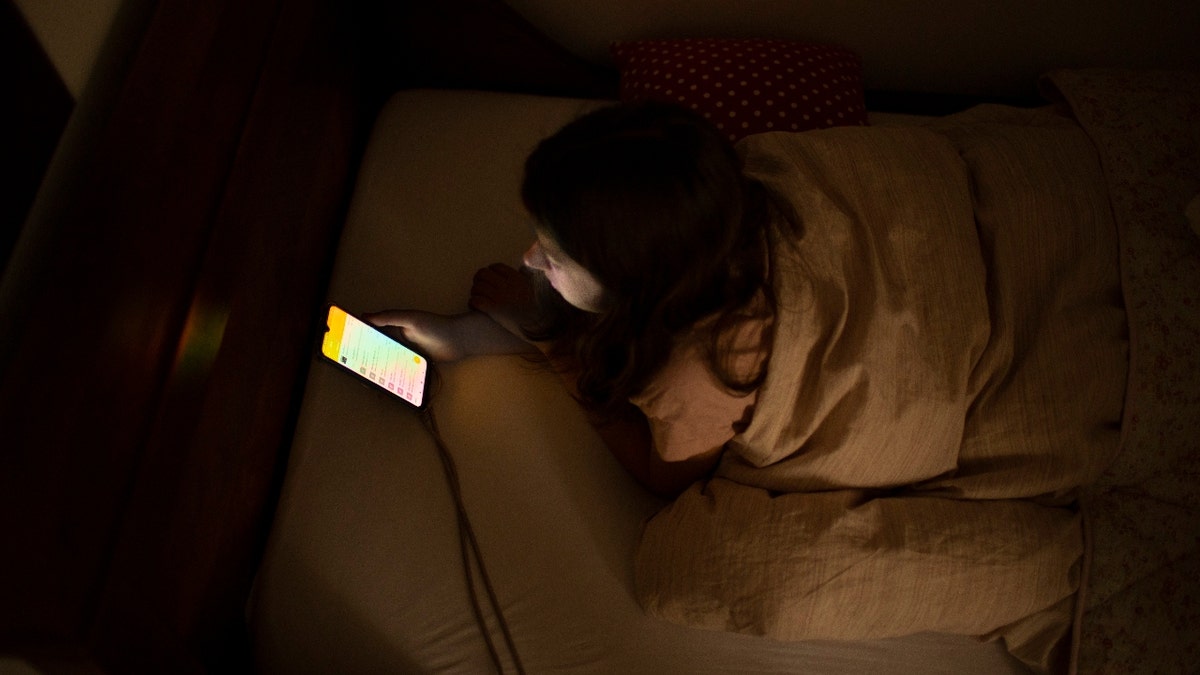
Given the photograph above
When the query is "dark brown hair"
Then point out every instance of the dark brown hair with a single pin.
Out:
(651, 200)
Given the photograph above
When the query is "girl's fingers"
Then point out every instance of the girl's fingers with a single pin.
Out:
(387, 318)
(496, 276)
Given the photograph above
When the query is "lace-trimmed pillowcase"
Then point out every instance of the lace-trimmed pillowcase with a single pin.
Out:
(747, 86)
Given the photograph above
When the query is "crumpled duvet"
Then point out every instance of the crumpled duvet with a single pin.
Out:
(949, 367)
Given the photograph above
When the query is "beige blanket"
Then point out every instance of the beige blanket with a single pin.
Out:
(950, 365)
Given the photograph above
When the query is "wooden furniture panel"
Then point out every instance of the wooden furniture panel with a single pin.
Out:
(150, 376)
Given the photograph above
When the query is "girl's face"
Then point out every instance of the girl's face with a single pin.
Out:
(574, 283)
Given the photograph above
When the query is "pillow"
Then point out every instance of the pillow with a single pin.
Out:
(747, 86)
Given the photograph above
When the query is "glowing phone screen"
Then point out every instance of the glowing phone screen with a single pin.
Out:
(364, 350)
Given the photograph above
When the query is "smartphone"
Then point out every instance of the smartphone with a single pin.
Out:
(364, 350)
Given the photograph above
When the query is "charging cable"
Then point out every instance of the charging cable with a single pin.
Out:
(470, 547)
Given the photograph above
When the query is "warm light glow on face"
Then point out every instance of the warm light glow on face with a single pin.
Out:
(574, 283)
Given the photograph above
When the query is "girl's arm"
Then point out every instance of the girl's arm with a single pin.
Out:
(454, 337)
(505, 294)
(628, 438)
(626, 432)
(627, 435)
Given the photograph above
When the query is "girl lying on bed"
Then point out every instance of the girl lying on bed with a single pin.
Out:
(655, 249)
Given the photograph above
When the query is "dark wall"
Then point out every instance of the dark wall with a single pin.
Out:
(156, 335)
(469, 44)
(32, 121)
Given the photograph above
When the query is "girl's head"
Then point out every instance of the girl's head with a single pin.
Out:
(648, 199)
(643, 218)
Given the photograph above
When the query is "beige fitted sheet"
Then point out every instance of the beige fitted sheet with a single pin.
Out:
(363, 570)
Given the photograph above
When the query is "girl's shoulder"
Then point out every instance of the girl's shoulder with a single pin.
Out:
(690, 410)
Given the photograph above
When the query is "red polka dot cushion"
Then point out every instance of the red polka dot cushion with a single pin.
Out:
(747, 86)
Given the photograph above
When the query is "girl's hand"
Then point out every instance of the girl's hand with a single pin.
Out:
(506, 295)
(451, 338)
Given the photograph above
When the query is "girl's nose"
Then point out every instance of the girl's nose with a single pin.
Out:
(534, 258)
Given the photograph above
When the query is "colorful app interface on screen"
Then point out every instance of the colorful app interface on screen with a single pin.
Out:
(368, 352)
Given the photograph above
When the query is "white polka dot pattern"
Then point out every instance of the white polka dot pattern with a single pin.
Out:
(747, 86)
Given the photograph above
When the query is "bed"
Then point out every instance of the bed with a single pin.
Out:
(1009, 547)
(206, 497)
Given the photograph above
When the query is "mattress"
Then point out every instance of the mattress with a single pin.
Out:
(364, 570)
